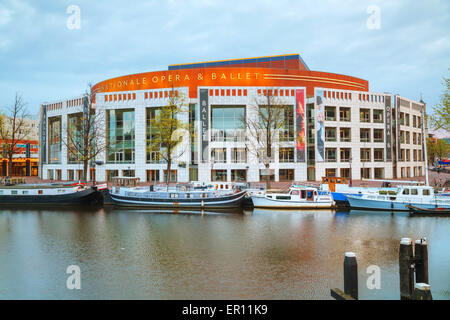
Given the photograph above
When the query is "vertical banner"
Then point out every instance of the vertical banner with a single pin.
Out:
(388, 117)
(300, 108)
(204, 119)
(398, 151)
(320, 126)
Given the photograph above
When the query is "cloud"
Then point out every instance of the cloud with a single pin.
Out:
(43, 59)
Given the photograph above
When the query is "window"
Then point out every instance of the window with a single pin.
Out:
(172, 177)
(54, 139)
(286, 155)
(286, 174)
(345, 134)
(218, 175)
(238, 155)
(406, 191)
(365, 173)
(426, 192)
(414, 192)
(238, 175)
(120, 135)
(128, 173)
(330, 134)
(344, 114)
(330, 154)
(330, 172)
(345, 154)
(378, 116)
(378, 135)
(219, 155)
(364, 115)
(365, 155)
(379, 173)
(345, 172)
(228, 123)
(330, 113)
(378, 155)
(364, 135)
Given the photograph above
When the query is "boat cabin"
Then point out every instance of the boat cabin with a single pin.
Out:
(332, 181)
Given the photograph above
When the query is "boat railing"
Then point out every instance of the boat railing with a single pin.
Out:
(7, 181)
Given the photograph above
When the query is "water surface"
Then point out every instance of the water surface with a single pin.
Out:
(260, 254)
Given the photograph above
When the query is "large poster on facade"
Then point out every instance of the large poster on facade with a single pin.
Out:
(320, 126)
(204, 120)
(300, 108)
(388, 117)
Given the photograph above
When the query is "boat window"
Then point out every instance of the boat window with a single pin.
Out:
(25, 192)
(414, 192)
(40, 191)
(174, 195)
(406, 191)
(426, 192)
(188, 195)
(203, 195)
(295, 192)
(303, 194)
(283, 197)
(13, 191)
(1, 191)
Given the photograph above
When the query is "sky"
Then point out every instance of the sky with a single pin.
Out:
(401, 47)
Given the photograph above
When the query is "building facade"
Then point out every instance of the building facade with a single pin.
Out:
(333, 125)
(25, 160)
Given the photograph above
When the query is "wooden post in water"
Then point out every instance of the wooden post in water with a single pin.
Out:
(422, 292)
(421, 258)
(405, 269)
(351, 275)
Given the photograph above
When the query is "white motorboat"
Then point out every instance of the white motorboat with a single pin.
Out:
(298, 197)
(401, 199)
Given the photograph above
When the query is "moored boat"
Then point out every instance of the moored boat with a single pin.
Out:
(298, 197)
(419, 209)
(399, 200)
(183, 196)
(52, 194)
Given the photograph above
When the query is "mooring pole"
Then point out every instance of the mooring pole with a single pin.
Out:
(422, 292)
(405, 269)
(421, 257)
(351, 275)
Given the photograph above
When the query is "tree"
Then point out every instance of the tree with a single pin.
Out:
(85, 133)
(441, 117)
(14, 128)
(167, 131)
(264, 124)
(436, 148)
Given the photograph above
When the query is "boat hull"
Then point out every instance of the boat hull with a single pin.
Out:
(233, 201)
(384, 205)
(263, 202)
(84, 197)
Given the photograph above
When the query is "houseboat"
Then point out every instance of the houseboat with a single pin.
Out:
(401, 199)
(182, 196)
(298, 197)
(51, 194)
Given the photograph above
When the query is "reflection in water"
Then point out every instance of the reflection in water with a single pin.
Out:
(260, 254)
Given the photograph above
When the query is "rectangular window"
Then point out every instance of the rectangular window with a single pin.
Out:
(378, 116)
(379, 173)
(173, 176)
(364, 135)
(344, 114)
(364, 115)
(346, 153)
(330, 113)
(378, 135)
(286, 155)
(378, 155)
(286, 174)
(345, 173)
(120, 129)
(345, 134)
(330, 155)
(219, 155)
(238, 155)
(219, 175)
(330, 172)
(330, 134)
(228, 123)
(365, 173)
(238, 175)
(365, 155)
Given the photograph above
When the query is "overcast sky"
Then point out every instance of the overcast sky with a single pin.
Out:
(44, 60)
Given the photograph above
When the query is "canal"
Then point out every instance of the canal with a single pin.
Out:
(260, 254)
